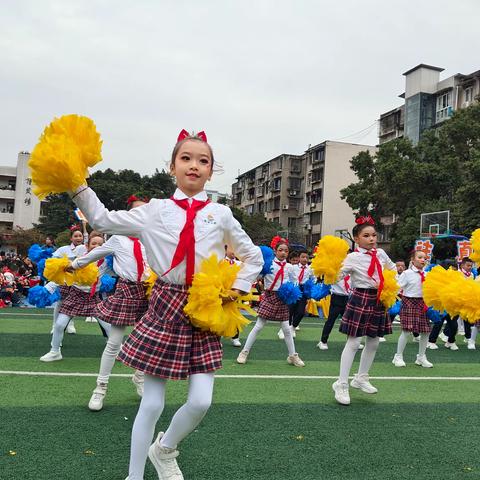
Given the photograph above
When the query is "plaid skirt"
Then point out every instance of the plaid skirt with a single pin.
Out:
(79, 303)
(272, 308)
(364, 315)
(413, 317)
(165, 344)
(126, 306)
(64, 289)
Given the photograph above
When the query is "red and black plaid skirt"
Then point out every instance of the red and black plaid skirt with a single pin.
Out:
(126, 306)
(413, 317)
(365, 316)
(272, 308)
(165, 344)
(79, 303)
(64, 290)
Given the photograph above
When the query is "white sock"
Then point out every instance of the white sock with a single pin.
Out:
(189, 415)
(112, 348)
(59, 327)
(257, 328)
(368, 355)
(348, 355)
(422, 344)
(288, 333)
(149, 412)
(402, 342)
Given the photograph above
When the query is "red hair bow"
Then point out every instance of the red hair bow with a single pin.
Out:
(75, 228)
(276, 240)
(184, 134)
(368, 219)
(134, 198)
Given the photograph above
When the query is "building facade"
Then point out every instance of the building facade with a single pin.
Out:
(428, 102)
(302, 192)
(19, 207)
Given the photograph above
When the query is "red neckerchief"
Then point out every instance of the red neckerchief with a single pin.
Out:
(280, 273)
(466, 274)
(94, 286)
(186, 244)
(346, 278)
(375, 265)
(137, 253)
(302, 274)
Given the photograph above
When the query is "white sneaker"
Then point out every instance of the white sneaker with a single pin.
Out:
(423, 362)
(416, 339)
(164, 460)
(322, 346)
(443, 337)
(295, 360)
(398, 360)
(236, 342)
(242, 357)
(363, 383)
(471, 345)
(51, 357)
(297, 328)
(71, 329)
(138, 379)
(451, 346)
(432, 346)
(382, 339)
(466, 340)
(342, 395)
(361, 346)
(96, 400)
(461, 332)
(91, 320)
(280, 334)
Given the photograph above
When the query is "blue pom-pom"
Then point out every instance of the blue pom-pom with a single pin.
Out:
(429, 267)
(35, 252)
(434, 315)
(41, 297)
(47, 252)
(268, 256)
(394, 310)
(109, 260)
(289, 293)
(41, 268)
(107, 284)
(317, 291)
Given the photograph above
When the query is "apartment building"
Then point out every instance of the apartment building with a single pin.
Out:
(302, 192)
(428, 102)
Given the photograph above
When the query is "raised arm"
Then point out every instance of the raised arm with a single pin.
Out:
(96, 254)
(249, 254)
(112, 222)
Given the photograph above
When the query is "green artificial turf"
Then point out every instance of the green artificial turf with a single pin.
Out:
(258, 428)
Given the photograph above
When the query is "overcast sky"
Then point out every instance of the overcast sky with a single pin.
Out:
(260, 77)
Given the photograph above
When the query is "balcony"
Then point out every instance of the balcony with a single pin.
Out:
(7, 194)
(6, 217)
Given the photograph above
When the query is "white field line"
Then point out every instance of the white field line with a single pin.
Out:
(259, 377)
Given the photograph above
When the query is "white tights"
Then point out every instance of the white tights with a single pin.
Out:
(56, 311)
(403, 340)
(259, 324)
(348, 356)
(112, 348)
(60, 325)
(185, 420)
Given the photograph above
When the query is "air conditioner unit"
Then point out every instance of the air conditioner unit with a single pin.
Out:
(313, 205)
(293, 192)
(308, 226)
(284, 207)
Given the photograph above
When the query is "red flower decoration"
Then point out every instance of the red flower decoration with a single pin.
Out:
(276, 240)
(367, 219)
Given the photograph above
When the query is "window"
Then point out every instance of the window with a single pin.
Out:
(294, 202)
(296, 166)
(316, 218)
(276, 203)
(261, 207)
(295, 183)
(280, 163)
(250, 209)
(276, 184)
(468, 94)
(292, 222)
(319, 155)
(317, 175)
(316, 195)
(444, 106)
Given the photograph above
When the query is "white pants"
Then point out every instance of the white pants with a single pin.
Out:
(185, 420)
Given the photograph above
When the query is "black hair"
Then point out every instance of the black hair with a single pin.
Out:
(401, 259)
(302, 251)
(465, 260)
(359, 227)
(292, 254)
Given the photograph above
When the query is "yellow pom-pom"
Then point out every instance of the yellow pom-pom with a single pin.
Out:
(87, 275)
(390, 290)
(475, 241)
(324, 304)
(328, 258)
(150, 282)
(436, 288)
(211, 286)
(312, 307)
(60, 160)
(55, 271)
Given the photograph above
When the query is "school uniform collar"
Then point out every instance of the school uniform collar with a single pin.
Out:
(201, 196)
(415, 269)
(364, 250)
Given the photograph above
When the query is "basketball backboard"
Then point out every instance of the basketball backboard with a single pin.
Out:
(434, 223)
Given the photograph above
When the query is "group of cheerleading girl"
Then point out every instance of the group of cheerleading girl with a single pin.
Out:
(175, 236)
